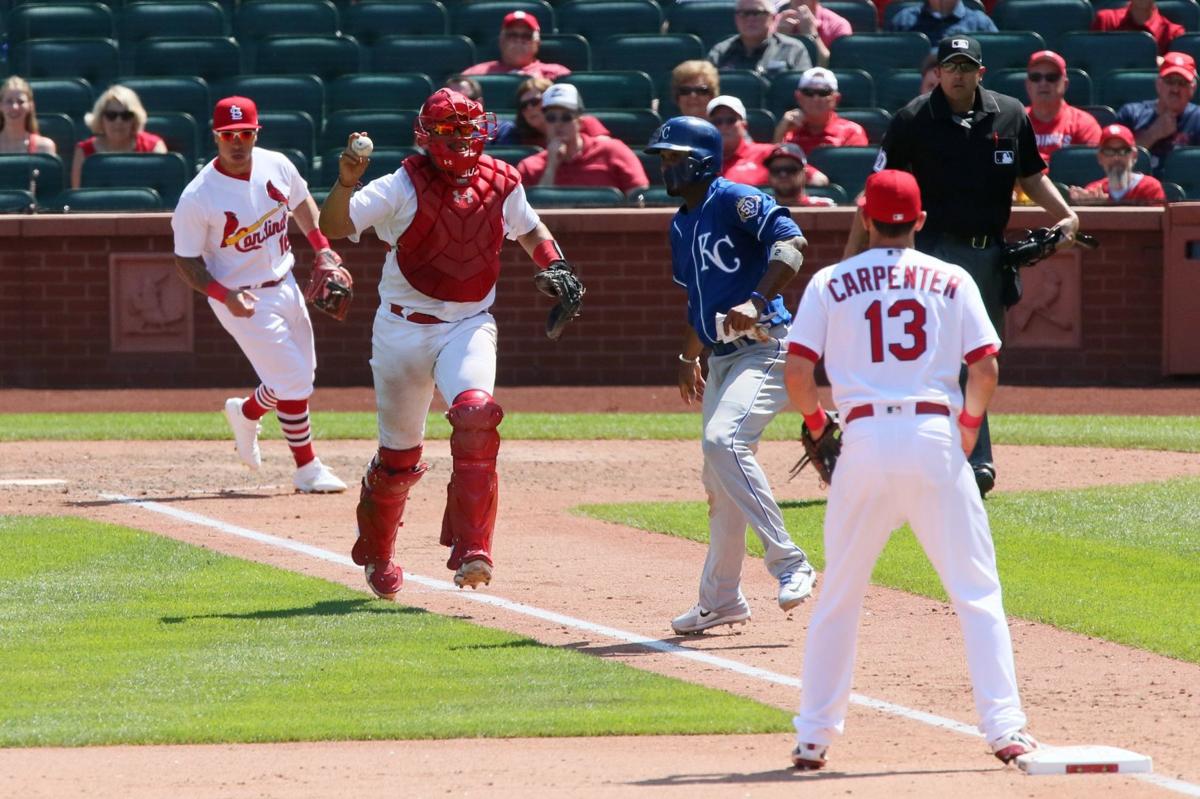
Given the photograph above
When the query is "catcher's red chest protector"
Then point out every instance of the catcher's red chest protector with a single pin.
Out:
(451, 249)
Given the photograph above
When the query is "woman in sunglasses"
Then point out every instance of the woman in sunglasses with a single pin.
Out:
(18, 122)
(118, 120)
(694, 84)
(530, 129)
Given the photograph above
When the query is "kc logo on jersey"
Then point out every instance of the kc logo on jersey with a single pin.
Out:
(713, 256)
(253, 237)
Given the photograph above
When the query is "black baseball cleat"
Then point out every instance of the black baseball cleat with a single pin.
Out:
(985, 478)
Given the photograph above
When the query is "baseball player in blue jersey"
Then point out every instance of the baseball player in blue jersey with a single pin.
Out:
(732, 248)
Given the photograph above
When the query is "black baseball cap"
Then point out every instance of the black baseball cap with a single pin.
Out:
(959, 45)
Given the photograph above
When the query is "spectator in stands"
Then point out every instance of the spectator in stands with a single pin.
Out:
(1139, 15)
(118, 120)
(758, 46)
(1056, 123)
(786, 165)
(929, 74)
(938, 19)
(742, 159)
(530, 128)
(18, 122)
(573, 158)
(1120, 184)
(811, 20)
(520, 38)
(471, 89)
(814, 122)
(693, 86)
(1172, 119)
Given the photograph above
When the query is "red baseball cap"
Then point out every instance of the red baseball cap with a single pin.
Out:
(520, 18)
(891, 196)
(235, 113)
(1180, 64)
(1048, 55)
(1116, 132)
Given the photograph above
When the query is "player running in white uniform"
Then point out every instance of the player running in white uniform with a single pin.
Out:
(231, 243)
(894, 326)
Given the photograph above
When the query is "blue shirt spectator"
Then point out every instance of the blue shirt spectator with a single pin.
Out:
(1172, 119)
(938, 19)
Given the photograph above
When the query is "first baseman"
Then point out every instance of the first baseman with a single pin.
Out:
(893, 325)
(732, 249)
(231, 243)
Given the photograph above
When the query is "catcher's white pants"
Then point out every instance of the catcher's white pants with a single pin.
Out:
(408, 360)
(897, 468)
(743, 393)
(277, 339)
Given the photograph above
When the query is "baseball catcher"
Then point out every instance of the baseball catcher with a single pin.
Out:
(330, 288)
(559, 281)
(821, 452)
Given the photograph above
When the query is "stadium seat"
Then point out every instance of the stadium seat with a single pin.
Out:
(386, 128)
(369, 20)
(760, 124)
(1077, 165)
(381, 92)
(879, 53)
(436, 56)
(652, 165)
(894, 7)
(510, 153)
(1009, 49)
(17, 201)
(166, 173)
(1127, 86)
(327, 57)
(874, 120)
(1183, 167)
(94, 60)
(1012, 83)
(500, 91)
(17, 172)
(288, 129)
(298, 159)
(1050, 18)
(479, 21)
(59, 20)
(63, 130)
(71, 96)
(1101, 53)
(863, 17)
(900, 86)
(846, 166)
(633, 126)
(211, 58)
(569, 49)
(618, 89)
(279, 93)
(99, 200)
(711, 20)
(1187, 43)
(597, 19)
(574, 196)
(384, 161)
(747, 86)
(174, 93)
(1103, 114)
(179, 130)
(1173, 192)
(146, 20)
(256, 20)
(655, 54)
(833, 191)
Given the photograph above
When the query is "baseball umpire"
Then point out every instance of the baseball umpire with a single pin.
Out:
(231, 243)
(967, 146)
(732, 249)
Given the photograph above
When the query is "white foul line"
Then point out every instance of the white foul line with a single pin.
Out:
(933, 720)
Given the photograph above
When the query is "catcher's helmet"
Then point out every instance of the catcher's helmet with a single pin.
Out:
(453, 130)
(696, 137)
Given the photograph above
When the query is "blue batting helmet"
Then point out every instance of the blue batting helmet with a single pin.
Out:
(696, 137)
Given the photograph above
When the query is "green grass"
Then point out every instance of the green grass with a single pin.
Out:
(112, 636)
(1178, 433)
(1120, 563)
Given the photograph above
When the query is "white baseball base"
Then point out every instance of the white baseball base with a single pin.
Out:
(1084, 760)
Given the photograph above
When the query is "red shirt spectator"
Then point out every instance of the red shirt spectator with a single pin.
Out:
(1120, 184)
(143, 143)
(814, 122)
(1143, 190)
(520, 38)
(1139, 15)
(1056, 124)
(837, 132)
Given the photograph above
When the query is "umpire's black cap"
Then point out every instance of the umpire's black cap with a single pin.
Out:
(959, 45)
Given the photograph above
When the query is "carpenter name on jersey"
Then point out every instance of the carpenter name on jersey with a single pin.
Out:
(893, 277)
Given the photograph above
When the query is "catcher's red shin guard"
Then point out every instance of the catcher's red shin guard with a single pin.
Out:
(380, 509)
(472, 496)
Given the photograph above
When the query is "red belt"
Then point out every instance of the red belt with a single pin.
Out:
(266, 285)
(418, 318)
(863, 411)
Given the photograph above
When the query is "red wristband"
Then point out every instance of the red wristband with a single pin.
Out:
(216, 291)
(816, 420)
(969, 421)
(547, 253)
(317, 239)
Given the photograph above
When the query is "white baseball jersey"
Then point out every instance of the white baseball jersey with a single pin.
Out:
(238, 224)
(388, 204)
(882, 320)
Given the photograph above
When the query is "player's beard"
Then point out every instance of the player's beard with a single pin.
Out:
(1118, 177)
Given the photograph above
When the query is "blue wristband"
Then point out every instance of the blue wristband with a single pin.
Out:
(754, 295)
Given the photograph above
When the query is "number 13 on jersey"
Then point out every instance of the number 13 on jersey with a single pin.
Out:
(913, 314)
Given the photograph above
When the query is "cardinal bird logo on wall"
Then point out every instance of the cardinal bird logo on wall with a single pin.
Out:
(253, 237)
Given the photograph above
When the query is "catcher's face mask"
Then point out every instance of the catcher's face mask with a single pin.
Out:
(453, 131)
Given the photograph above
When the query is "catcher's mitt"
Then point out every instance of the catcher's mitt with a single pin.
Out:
(823, 452)
(330, 288)
(560, 282)
(1037, 245)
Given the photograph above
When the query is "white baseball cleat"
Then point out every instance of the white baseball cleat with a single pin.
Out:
(314, 477)
(1008, 748)
(473, 573)
(796, 586)
(698, 619)
(245, 433)
(809, 757)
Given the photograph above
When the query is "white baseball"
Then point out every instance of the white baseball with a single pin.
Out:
(362, 146)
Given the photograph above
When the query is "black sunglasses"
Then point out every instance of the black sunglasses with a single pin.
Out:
(816, 92)
(684, 91)
(784, 170)
(1049, 77)
(554, 118)
(1115, 151)
(759, 12)
(530, 103)
(113, 116)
